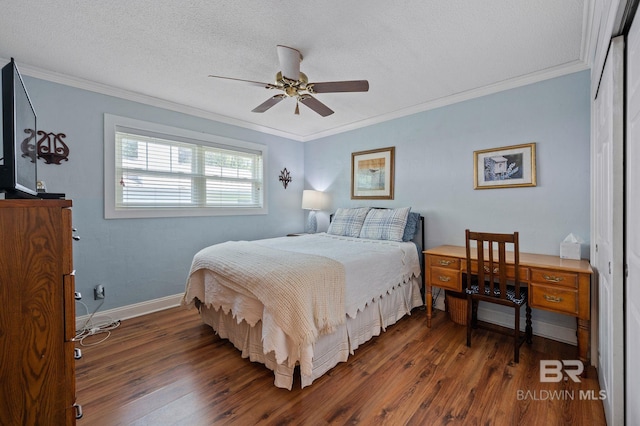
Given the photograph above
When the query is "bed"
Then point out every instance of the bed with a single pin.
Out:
(309, 301)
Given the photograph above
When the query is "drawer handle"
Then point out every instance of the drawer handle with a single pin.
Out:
(78, 408)
(444, 279)
(495, 270)
(553, 278)
(444, 262)
(553, 299)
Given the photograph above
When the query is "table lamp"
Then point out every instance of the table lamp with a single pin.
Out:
(312, 200)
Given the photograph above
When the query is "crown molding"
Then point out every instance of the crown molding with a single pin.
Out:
(569, 68)
(558, 71)
(104, 89)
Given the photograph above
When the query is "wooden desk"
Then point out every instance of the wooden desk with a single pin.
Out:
(555, 284)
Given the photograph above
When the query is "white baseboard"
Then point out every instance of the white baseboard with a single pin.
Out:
(135, 310)
(545, 329)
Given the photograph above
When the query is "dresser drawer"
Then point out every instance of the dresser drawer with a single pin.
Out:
(444, 262)
(566, 279)
(554, 298)
(445, 278)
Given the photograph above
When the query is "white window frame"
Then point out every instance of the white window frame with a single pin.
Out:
(114, 123)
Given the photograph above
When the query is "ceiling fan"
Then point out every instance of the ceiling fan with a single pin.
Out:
(295, 84)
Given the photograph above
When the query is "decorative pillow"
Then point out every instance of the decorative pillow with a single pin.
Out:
(348, 222)
(413, 224)
(385, 224)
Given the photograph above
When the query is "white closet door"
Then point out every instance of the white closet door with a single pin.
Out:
(607, 254)
(632, 232)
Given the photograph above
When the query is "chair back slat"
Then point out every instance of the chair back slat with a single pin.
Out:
(492, 273)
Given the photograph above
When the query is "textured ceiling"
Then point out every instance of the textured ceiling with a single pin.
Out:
(416, 54)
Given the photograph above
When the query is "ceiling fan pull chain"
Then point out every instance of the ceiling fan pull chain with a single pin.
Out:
(297, 112)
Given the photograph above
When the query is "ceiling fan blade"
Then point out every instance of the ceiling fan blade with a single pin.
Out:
(255, 83)
(339, 86)
(316, 105)
(289, 62)
(269, 103)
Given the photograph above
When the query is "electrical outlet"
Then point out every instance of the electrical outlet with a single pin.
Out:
(98, 292)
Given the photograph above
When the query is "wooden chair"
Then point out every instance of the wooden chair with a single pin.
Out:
(491, 279)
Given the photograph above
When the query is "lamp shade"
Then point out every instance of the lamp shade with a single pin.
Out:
(312, 200)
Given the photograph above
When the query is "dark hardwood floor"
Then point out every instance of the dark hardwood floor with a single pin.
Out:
(167, 368)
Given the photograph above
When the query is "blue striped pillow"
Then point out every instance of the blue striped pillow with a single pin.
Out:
(348, 222)
(385, 224)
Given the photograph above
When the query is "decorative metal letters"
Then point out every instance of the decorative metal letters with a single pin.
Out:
(50, 147)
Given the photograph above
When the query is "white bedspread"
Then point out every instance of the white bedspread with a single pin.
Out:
(372, 269)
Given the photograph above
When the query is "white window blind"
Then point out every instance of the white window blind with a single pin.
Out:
(152, 170)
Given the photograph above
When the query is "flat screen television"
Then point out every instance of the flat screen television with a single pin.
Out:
(18, 162)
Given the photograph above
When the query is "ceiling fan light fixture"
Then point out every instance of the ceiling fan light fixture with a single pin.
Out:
(291, 91)
(300, 88)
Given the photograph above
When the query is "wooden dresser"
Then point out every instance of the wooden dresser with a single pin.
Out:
(37, 313)
(555, 284)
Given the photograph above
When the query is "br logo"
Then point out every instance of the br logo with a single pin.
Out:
(553, 370)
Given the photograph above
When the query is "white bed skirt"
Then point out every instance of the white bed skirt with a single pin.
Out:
(329, 349)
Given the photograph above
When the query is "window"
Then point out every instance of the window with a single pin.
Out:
(153, 170)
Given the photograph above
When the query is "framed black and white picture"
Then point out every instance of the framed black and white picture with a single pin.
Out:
(506, 167)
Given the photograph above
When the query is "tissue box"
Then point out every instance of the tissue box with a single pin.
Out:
(570, 250)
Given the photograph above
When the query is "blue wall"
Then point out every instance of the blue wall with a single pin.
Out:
(434, 164)
(143, 259)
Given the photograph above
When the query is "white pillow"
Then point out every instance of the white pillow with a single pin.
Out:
(385, 224)
(348, 222)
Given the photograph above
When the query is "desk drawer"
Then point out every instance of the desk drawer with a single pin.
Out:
(554, 298)
(444, 262)
(554, 278)
(445, 278)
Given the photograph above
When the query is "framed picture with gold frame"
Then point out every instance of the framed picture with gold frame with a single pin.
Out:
(372, 174)
(506, 167)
